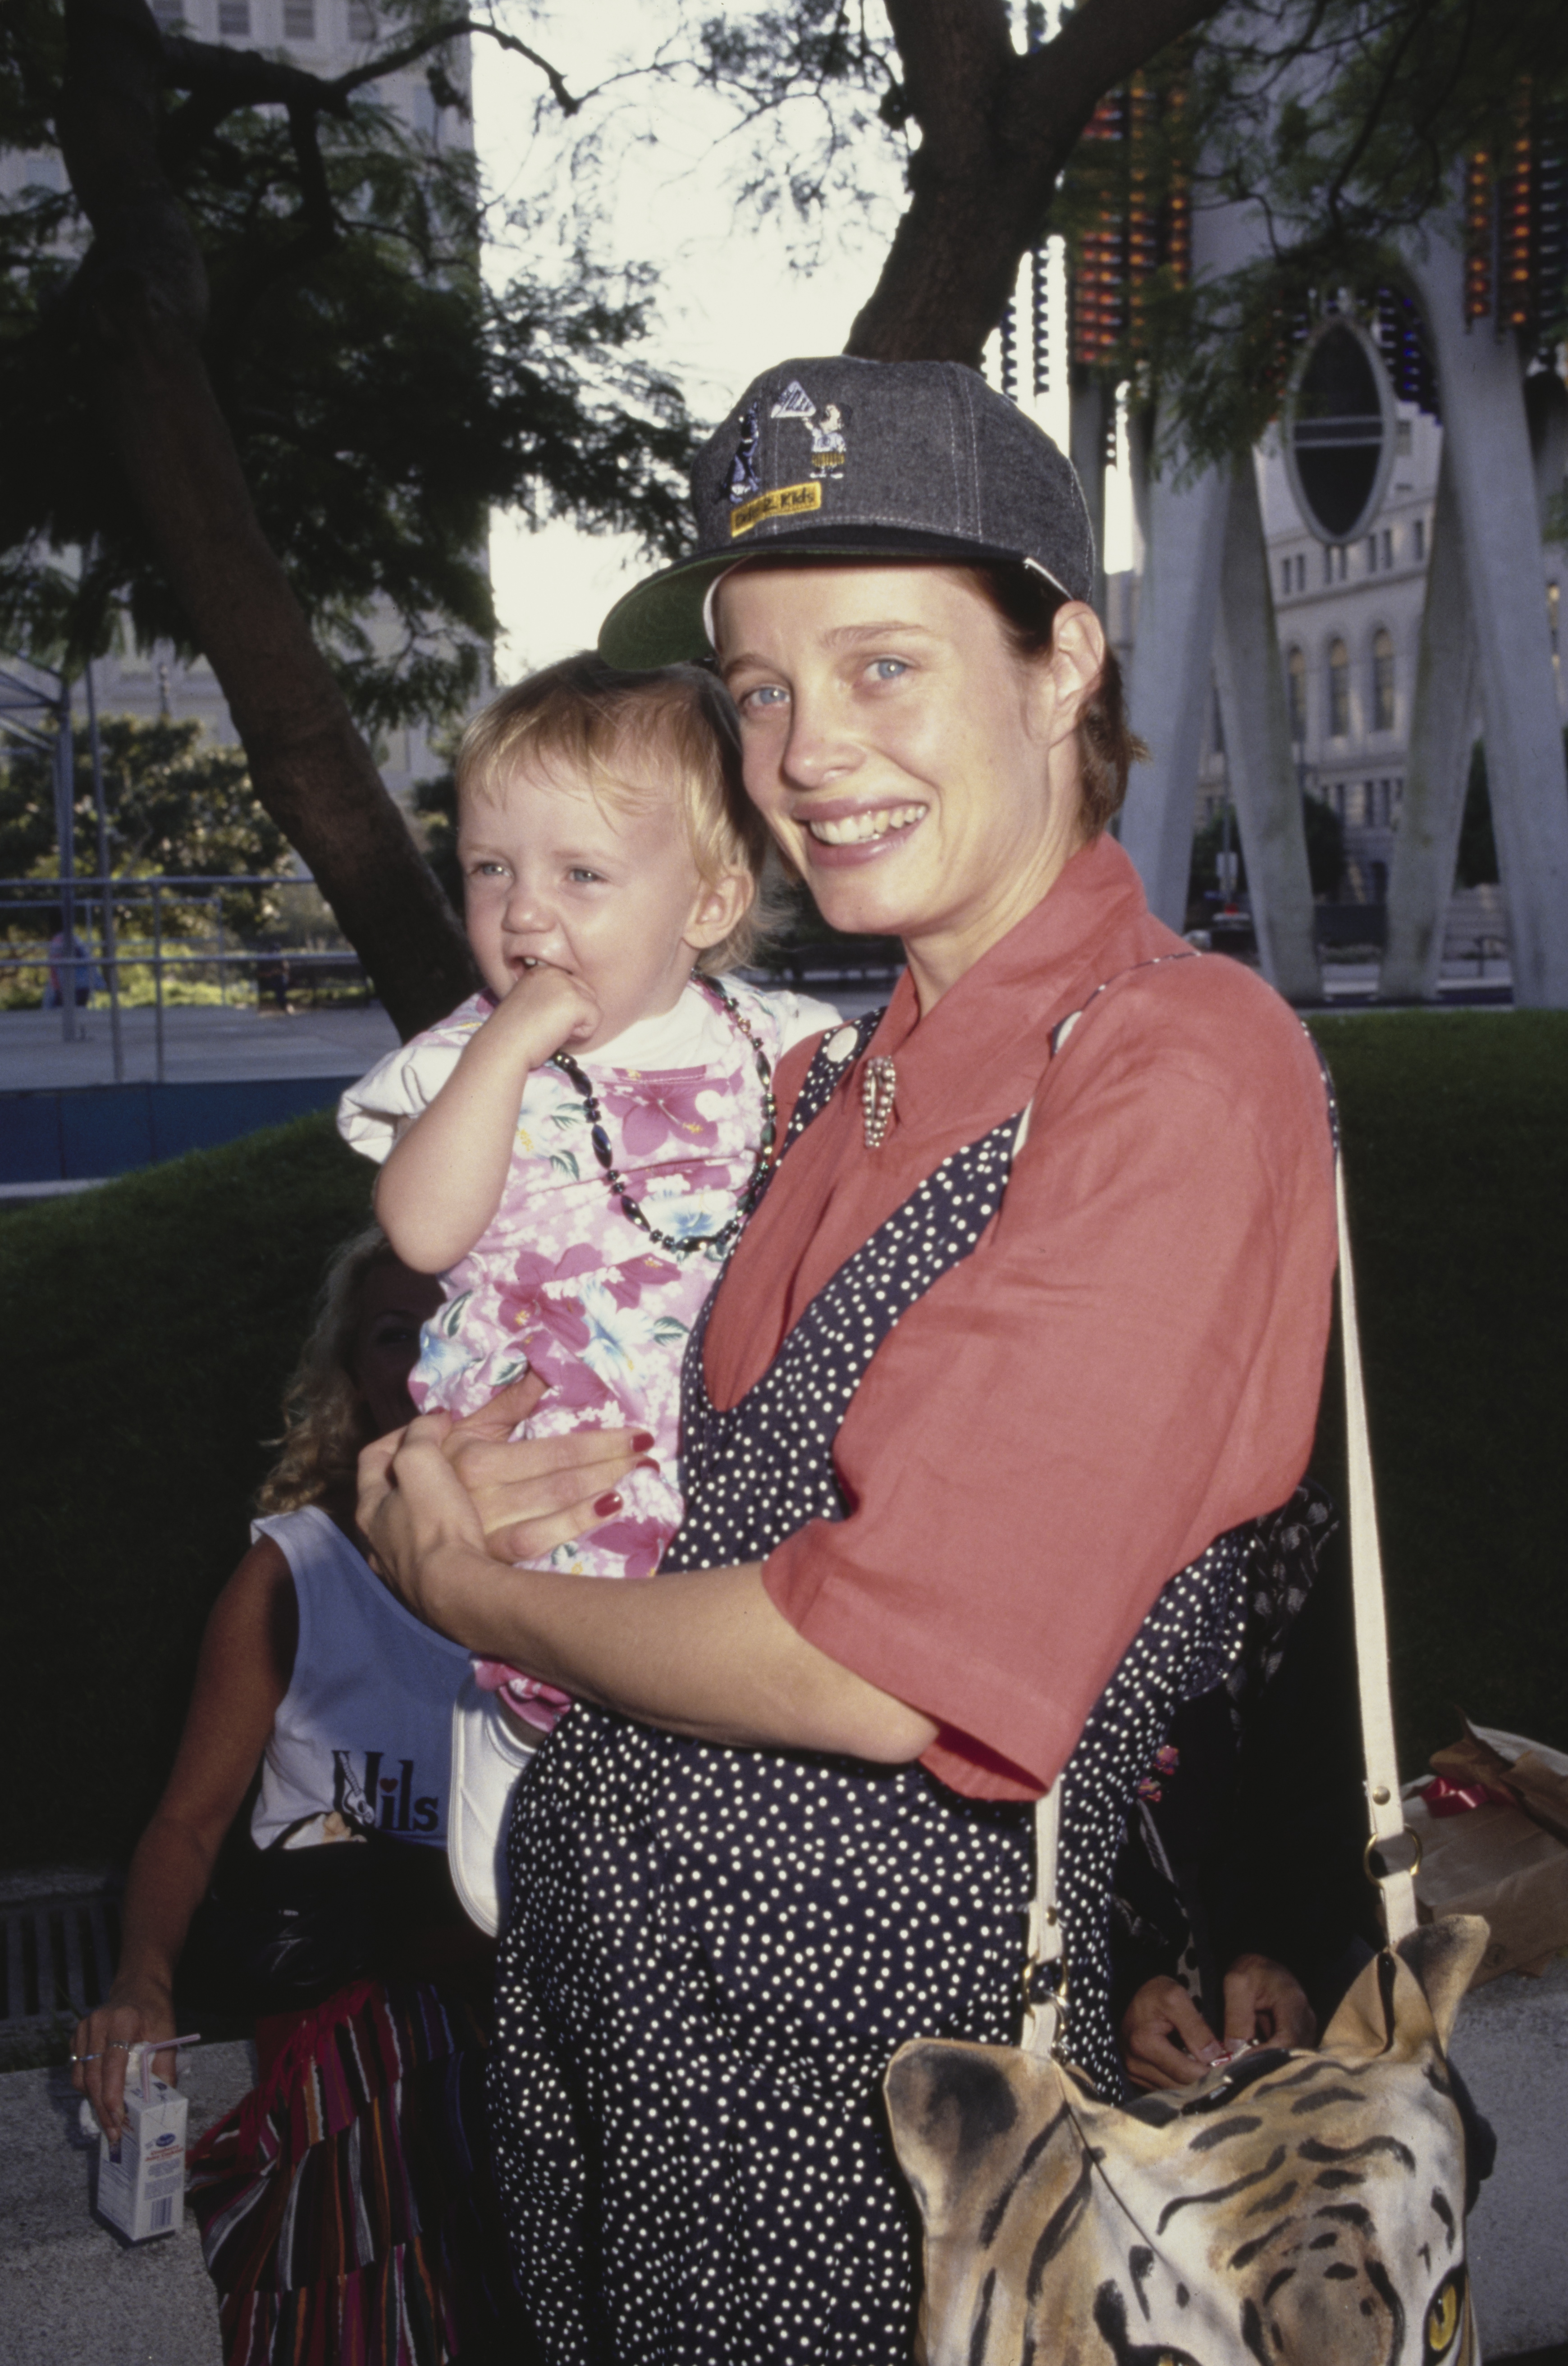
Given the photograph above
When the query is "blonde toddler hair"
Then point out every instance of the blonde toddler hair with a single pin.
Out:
(587, 721)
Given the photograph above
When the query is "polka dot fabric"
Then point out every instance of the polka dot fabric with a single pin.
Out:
(716, 1952)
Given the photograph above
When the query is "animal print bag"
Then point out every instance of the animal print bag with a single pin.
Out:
(1297, 2209)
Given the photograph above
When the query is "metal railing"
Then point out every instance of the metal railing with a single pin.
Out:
(77, 969)
(57, 1958)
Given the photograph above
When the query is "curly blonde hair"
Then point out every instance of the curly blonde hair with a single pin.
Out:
(326, 1422)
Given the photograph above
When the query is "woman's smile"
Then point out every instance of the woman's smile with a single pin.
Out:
(860, 833)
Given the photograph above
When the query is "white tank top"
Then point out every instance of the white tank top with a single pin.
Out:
(365, 1725)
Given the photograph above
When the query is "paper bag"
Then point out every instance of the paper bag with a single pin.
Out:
(1504, 1861)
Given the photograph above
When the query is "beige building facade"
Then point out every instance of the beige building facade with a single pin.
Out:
(1348, 619)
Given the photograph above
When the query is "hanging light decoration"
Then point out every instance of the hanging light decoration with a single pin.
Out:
(1039, 290)
(1097, 286)
(1480, 232)
(1007, 333)
(1516, 227)
(1142, 228)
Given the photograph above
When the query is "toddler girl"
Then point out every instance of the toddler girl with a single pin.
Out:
(576, 1148)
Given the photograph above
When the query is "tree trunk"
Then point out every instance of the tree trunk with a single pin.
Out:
(997, 127)
(143, 296)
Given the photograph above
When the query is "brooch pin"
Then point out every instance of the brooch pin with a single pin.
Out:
(878, 1086)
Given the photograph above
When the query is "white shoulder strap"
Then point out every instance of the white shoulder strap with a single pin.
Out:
(1045, 1977)
(1385, 1813)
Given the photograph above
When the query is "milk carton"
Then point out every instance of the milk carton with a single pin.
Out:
(141, 2180)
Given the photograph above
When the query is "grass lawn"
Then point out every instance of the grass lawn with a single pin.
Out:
(1456, 1139)
(153, 1322)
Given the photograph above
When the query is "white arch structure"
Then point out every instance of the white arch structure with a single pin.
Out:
(1205, 604)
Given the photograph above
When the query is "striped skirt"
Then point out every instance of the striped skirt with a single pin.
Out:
(347, 2209)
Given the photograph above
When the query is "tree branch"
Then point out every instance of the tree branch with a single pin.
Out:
(1099, 46)
(222, 79)
(996, 129)
(956, 56)
(1373, 115)
(320, 214)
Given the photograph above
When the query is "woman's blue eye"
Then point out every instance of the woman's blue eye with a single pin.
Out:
(767, 693)
(580, 872)
(888, 668)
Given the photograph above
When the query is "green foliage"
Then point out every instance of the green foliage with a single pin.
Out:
(381, 396)
(819, 85)
(1324, 847)
(1386, 99)
(152, 1324)
(184, 1293)
(1456, 1126)
(177, 801)
(435, 802)
(1477, 864)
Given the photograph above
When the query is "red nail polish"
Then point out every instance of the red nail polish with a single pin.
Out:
(607, 1504)
(647, 1463)
(642, 1440)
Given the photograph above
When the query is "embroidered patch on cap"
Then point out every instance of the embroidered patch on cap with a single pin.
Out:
(743, 478)
(783, 502)
(828, 450)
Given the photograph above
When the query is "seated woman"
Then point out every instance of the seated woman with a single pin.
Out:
(319, 1698)
(1239, 1910)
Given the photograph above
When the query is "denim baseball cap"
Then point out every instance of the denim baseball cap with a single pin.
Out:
(839, 458)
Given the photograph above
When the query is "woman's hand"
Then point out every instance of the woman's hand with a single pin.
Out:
(533, 1494)
(101, 2049)
(1165, 2042)
(440, 1483)
(1267, 2003)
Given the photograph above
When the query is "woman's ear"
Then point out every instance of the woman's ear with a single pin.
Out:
(1075, 662)
(721, 907)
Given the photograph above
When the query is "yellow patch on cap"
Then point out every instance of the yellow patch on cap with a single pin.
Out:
(783, 502)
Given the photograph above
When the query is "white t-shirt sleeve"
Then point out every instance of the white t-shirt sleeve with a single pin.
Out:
(385, 1102)
(801, 1015)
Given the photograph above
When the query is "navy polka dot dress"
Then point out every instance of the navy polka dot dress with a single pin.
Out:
(713, 1953)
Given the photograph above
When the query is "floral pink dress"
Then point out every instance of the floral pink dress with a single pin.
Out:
(563, 1282)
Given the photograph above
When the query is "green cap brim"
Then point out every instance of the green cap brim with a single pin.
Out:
(659, 622)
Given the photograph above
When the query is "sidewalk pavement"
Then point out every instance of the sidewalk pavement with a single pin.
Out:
(72, 2293)
(1511, 2047)
(205, 1044)
(202, 1043)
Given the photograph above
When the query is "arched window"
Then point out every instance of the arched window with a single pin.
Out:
(1296, 692)
(1338, 690)
(1382, 679)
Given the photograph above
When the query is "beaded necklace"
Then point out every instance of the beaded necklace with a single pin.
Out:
(714, 1243)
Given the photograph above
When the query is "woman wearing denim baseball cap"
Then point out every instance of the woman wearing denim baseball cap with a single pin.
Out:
(1008, 1373)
